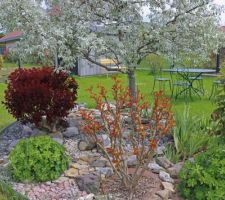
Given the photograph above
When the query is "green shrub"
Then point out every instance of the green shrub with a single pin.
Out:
(38, 159)
(7, 193)
(204, 179)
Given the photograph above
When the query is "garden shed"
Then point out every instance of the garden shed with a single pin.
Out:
(10, 39)
(82, 67)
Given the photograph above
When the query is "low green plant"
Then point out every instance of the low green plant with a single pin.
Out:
(204, 179)
(7, 193)
(38, 159)
(190, 137)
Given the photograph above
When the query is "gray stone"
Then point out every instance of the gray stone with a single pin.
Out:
(72, 173)
(175, 169)
(104, 197)
(99, 163)
(155, 197)
(57, 139)
(61, 179)
(164, 194)
(71, 132)
(107, 171)
(79, 166)
(168, 186)
(90, 197)
(27, 130)
(13, 144)
(163, 162)
(132, 161)
(89, 183)
(73, 122)
(104, 138)
(126, 134)
(154, 167)
(86, 145)
(160, 150)
(164, 176)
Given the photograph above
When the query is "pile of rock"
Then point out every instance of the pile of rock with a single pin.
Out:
(88, 167)
(167, 173)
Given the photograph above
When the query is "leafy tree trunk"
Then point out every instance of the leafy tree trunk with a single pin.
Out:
(132, 83)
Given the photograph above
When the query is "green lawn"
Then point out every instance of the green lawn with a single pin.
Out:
(144, 82)
(5, 117)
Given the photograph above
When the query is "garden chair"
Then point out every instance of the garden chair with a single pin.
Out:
(215, 86)
(162, 81)
(180, 86)
(199, 81)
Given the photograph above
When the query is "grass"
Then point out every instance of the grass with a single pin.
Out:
(5, 117)
(15, 65)
(144, 83)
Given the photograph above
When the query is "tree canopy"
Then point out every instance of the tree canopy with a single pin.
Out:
(123, 30)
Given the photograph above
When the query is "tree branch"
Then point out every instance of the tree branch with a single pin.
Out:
(186, 12)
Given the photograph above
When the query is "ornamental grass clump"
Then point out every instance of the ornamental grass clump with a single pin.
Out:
(143, 138)
(37, 92)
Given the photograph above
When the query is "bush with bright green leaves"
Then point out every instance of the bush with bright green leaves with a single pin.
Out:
(204, 179)
(38, 159)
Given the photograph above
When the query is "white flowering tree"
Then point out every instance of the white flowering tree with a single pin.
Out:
(125, 31)
(46, 31)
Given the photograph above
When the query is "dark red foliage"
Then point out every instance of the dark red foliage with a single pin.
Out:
(33, 93)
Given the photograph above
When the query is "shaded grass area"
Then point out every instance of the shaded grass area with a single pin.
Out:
(196, 106)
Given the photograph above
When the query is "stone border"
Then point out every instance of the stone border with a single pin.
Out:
(10, 125)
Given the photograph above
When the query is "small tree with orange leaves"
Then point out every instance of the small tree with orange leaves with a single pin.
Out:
(160, 119)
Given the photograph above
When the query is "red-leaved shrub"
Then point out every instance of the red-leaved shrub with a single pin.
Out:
(37, 92)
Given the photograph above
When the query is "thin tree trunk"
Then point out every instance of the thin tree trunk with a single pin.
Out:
(132, 83)
(56, 61)
(218, 62)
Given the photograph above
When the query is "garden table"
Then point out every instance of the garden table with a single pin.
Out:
(185, 73)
